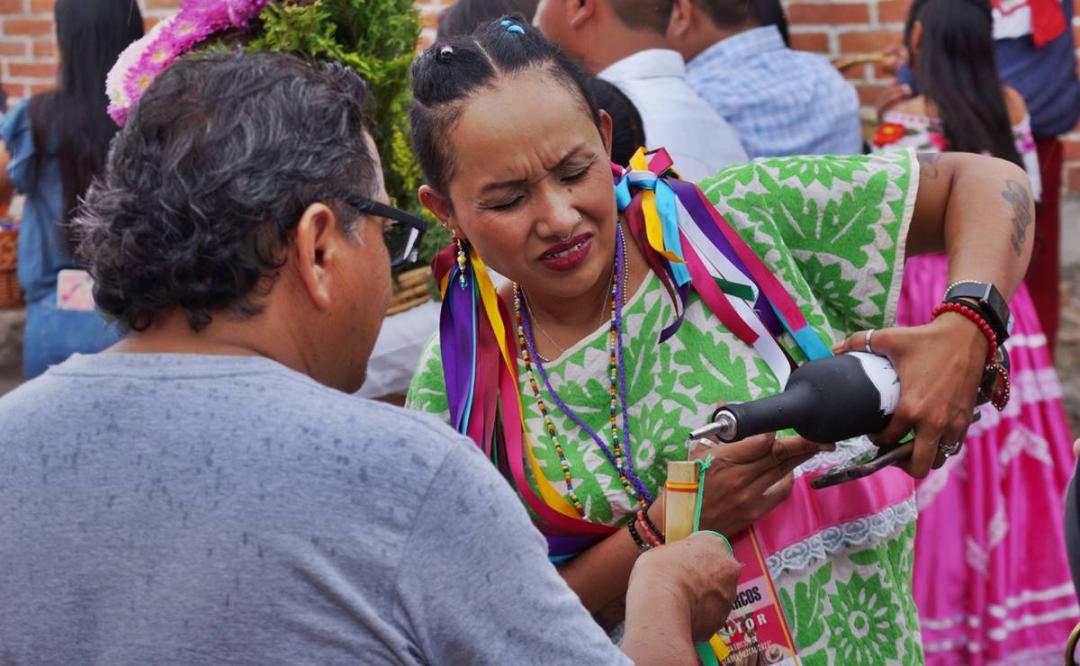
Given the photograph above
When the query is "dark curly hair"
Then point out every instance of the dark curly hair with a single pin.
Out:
(214, 168)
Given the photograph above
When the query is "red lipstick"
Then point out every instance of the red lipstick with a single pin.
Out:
(568, 255)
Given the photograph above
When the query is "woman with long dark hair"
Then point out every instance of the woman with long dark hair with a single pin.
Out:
(54, 144)
(991, 577)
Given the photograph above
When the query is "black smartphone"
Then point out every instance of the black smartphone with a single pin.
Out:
(857, 470)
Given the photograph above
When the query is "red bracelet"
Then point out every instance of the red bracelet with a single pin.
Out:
(646, 533)
(977, 319)
(643, 515)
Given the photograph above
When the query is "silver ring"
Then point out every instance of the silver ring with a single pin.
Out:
(949, 450)
(566, 237)
(869, 335)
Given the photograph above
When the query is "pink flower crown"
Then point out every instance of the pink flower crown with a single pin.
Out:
(145, 59)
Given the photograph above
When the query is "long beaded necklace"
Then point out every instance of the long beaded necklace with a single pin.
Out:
(560, 348)
(621, 459)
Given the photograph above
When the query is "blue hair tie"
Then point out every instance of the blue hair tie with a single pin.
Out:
(512, 27)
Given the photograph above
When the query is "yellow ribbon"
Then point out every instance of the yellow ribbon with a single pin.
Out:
(654, 232)
(490, 302)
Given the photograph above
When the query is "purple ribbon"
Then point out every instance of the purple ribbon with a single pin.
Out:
(701, 218)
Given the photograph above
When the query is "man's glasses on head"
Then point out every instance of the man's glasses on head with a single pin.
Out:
(403, 230)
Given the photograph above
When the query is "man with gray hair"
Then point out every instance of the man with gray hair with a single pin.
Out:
(622, 41)
(207, 491)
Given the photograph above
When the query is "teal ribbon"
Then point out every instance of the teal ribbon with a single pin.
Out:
(704, 650)
(666, 207)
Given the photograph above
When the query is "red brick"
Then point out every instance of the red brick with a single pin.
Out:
(1072, 180)
(429, 20)
(804, 13)
(1072, 150)
(42, 6)
(44, 48)
(38, 88)
(868, 41)
(11, 6)
(161, 4)
(893, 11)
(10, 47)
(33, 27)
(811, 41)
(149, 22)
(31, 70)
(856, 73)
(14, 91)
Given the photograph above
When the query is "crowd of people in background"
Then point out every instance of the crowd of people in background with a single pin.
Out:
(209, 487)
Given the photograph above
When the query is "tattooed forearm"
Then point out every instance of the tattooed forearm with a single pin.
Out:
(928, 164)
(1019, 197)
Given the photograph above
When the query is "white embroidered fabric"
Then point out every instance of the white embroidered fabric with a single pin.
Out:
(861, 532)
(845, 451)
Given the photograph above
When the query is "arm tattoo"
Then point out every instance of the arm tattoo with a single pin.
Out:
(1020, 199)
(928, 162)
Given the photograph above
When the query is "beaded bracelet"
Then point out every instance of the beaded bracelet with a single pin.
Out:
(642, 546)
(957, 284)
(643, 516)
(976, 319)
(646, 533)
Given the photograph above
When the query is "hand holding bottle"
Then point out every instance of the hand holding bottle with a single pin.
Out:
(940, 365)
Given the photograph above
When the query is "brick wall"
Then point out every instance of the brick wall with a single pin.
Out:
(28, 47)
(832, 27)
(849, 27)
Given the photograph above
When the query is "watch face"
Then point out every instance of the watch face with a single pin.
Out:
(991, 301)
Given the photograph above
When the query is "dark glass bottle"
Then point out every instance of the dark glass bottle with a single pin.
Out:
(827, 400)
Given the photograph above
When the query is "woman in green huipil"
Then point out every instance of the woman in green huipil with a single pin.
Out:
(516, 160)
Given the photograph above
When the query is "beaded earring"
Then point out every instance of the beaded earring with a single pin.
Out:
(462, 261)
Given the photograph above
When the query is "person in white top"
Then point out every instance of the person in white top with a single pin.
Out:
(622, 41)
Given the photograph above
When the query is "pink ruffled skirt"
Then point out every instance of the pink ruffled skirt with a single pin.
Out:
(992, 579)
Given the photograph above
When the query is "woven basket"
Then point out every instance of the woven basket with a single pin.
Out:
(11, 295)
(411, 288)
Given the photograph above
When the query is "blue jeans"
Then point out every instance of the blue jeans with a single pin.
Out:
(53, 334)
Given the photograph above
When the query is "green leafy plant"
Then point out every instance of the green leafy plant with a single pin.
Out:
(376, 38)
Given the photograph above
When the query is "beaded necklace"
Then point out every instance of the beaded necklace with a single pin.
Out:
(620, 458)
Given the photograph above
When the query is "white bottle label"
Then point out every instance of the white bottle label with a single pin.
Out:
(883, 376)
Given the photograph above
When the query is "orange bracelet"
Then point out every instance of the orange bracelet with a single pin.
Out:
(646, 532)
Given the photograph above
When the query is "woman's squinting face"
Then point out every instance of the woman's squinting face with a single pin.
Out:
(531, 185)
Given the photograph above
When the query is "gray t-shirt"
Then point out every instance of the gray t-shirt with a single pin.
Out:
(203, 510)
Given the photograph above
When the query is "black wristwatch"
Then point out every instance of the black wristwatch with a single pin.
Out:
(988, 301)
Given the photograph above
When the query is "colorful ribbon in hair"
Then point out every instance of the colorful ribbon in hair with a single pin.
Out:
(688, 245)
(685, 234)
(482, 391)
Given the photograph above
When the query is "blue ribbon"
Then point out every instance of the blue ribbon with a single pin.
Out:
(668, 211)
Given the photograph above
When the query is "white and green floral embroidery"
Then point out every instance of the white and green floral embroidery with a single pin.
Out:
(832, 230)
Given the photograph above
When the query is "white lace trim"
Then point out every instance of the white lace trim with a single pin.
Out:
(831, 540)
